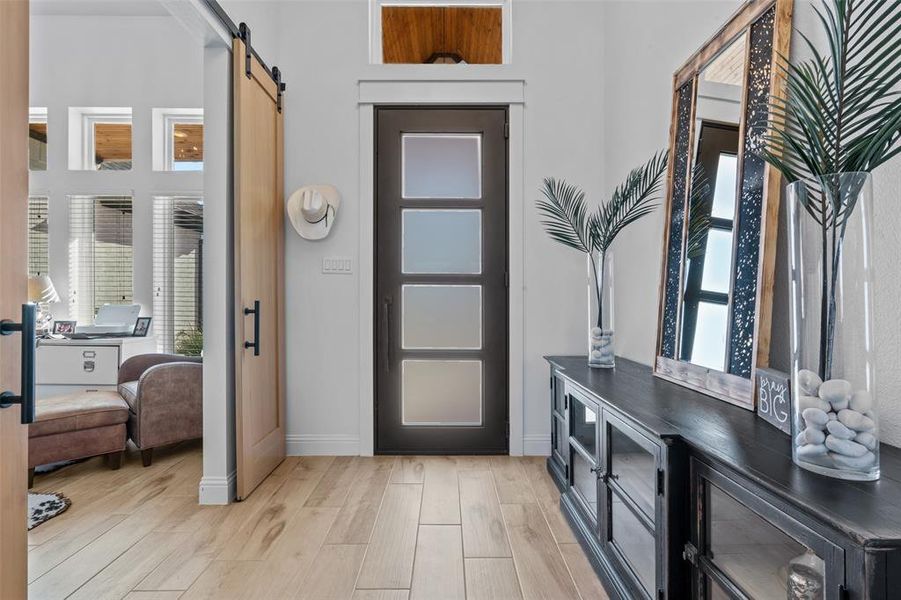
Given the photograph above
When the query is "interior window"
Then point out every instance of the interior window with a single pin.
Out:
(442, 34)
(112, 146)
(37, 139)
(178, 273)
(187, 146)
(38, 227)
(100, 254)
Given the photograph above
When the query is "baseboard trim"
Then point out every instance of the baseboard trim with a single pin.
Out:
(218, 490)
(536, 445)
(312, 444)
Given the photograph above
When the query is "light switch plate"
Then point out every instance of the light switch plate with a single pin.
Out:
(337, 265)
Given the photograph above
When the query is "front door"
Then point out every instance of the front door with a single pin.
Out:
(13, 291)
(441, 280)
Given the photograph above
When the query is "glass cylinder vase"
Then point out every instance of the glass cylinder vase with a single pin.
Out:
(835, 421)
(601, 352)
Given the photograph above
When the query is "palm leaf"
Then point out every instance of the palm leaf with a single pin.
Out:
(566, 215)
(842, 112)
(632, 200)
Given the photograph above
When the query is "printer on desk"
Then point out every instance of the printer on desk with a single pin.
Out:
(113, 320)
(90, 358)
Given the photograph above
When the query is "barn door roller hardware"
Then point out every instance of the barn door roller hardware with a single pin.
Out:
(279, 87)
(249, 54)
(242, 32)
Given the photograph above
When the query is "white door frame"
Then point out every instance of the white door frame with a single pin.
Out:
(372, 92)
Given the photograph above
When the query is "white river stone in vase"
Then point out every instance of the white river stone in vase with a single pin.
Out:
(845, 447)
(855, 420)
(814, 417)
(837, 428)
(809, 381)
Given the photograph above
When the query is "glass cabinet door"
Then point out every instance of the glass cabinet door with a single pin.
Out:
(584, 423)
(559, 429)
(631, 463)
(583, 453)
(743, 552)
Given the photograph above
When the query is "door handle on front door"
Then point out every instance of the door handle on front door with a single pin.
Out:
(386, 307)
(27, 329)
(255, 311)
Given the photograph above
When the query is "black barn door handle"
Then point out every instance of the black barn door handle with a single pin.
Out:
(255, 311)
(26, 394)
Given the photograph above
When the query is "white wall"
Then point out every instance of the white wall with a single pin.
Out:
(598, 95)
(323, 52)
(637, 109)
(141, 62)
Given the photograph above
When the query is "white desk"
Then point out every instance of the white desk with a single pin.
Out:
(68, 366)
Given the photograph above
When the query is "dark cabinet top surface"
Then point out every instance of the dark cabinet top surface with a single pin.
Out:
(868, 512)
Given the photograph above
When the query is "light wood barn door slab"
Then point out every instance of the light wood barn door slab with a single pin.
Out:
(259, 273)
(13, 289)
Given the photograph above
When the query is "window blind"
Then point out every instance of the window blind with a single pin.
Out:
(178, 273)
(100, 254)
(38, 247)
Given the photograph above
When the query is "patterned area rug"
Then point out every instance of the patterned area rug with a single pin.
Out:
(43, 507)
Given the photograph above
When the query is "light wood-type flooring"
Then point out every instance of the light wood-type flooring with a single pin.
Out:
(358, 528)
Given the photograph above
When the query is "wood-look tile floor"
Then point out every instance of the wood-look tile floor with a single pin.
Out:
(357, 528)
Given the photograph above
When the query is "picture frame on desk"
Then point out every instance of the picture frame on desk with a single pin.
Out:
(142, 327)
(64, 327)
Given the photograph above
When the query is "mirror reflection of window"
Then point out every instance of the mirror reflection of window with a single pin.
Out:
(709, 257)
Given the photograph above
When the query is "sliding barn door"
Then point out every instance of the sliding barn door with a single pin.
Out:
(259, 273)
(13, 289)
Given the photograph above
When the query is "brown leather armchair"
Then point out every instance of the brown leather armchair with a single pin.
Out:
(164, 393)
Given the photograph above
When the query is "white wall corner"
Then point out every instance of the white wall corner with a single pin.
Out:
(314, 444)
(218, 490)
(536, 445)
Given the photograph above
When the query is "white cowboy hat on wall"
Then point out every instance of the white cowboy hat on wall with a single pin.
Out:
(312, 210)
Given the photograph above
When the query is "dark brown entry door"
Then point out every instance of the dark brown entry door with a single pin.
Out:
(441, 273)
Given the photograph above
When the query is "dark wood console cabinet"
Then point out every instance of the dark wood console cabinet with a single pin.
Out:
(675, 495)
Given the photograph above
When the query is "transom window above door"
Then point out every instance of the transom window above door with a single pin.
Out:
(450, 32)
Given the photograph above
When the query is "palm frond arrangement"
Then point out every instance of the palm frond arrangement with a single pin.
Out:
(841, 114)
(568, 220)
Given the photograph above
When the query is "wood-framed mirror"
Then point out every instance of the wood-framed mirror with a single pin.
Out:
(722, 208)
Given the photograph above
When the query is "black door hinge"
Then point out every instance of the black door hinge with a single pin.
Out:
(552, 381)
(508, 429)
(506, 130)
(661, 481)
(843, 593)
(244, 34)
(690, 553)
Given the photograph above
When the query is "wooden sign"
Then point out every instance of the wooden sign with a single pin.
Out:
(774, 399)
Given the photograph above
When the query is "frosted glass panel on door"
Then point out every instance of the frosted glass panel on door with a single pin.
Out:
(441, 392)
(442, 241)
(437, 165)
(442, 317)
